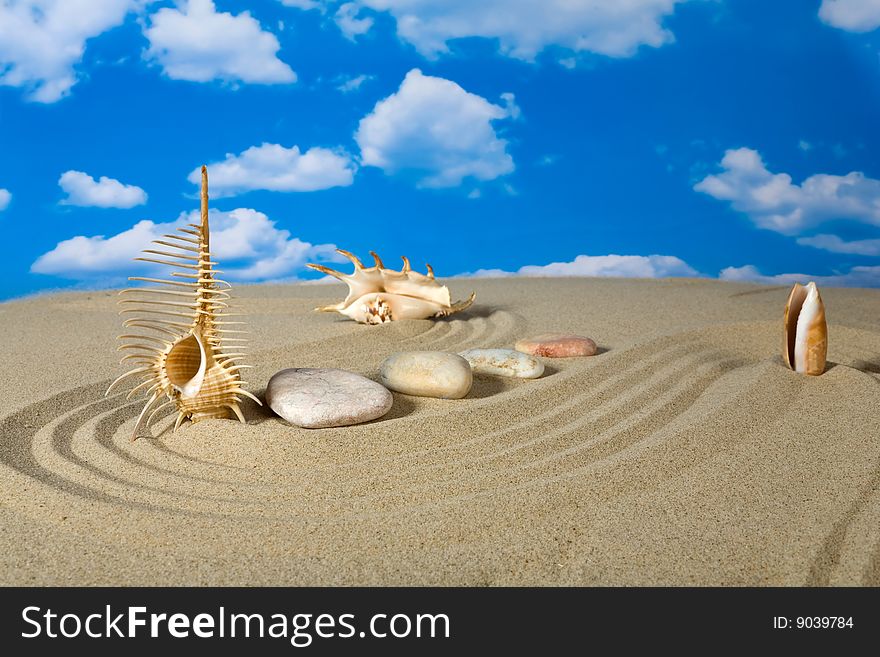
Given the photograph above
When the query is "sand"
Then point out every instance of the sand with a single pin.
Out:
(684, 453)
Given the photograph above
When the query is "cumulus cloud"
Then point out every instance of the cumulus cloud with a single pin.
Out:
(523, 28)
(623, 266)
(276, 168)
(5, 198)
(85, 191)
(350, 23)
(433, 127)
(835, 244)
(774, 202)
(302, 4)
(196, 42)
(852, 15)
(855, 277)
(41, 41)
(248, 243)
(347, 85)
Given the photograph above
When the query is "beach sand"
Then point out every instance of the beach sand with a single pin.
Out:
(684, 453)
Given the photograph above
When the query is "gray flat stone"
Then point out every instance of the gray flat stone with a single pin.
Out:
(316, 398)
(503, 362)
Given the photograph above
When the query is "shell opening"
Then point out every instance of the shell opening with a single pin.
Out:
(795, 303)
(185, 365)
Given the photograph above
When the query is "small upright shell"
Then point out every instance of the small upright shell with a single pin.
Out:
(805, 332)
(377, 294)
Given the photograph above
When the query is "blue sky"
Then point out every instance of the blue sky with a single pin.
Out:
(718, 138)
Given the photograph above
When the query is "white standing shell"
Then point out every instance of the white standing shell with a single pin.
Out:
(805, 331)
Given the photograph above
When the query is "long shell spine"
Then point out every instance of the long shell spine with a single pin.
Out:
(184, 348)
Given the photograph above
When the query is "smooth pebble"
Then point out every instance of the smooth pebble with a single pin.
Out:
(557, 345)
(503, 362)
(427, 374)
(315, 398)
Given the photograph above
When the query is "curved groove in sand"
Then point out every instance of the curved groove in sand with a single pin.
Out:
(606, 379)
(668, 393)
(22, 442)
(107, 429)
(459, 330)
(437, 331)
(65, 451)
(831, 553)
(760, 290)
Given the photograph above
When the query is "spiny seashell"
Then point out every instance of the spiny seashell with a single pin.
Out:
(805, 332)
(377, 295)
(192, 355)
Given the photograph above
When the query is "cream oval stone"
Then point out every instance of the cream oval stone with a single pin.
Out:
(427, 374)
(503, 362)
(315, 398)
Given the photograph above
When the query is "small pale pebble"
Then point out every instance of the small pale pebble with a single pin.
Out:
(316, 398)
(557, 345)
(503, 362)
(427, 374)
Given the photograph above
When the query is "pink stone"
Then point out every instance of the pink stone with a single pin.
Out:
(557, 345)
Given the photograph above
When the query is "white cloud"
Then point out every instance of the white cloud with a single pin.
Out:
(625, 266)
(247, 243)
(523, 28)
(855, 277)
(196, 42)
(41, 41)
(347, 85)
(85, 191)
(804, 145)
(302, 4)
(773, 202)
(350, 23)
(435, 128)
(835, 244)
(852, 15)
(510, 106)
(276, 168)
(5, 199)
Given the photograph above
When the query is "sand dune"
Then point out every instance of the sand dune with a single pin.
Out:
(684, 453)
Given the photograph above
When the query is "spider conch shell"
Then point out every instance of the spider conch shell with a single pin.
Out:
(192, 355)
(377, 295)
(805, 333)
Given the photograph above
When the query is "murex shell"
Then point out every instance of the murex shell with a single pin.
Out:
(192, 355)
(805, 332)
(377, 295)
